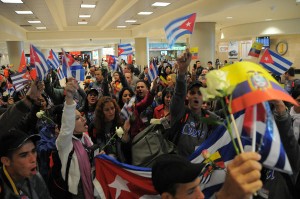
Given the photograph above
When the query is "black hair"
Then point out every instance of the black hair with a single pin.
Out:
(130, 67)
(209, 62)
(145, 82)
(291, 71)
(165, 92)
(46, 99)
(120, 101)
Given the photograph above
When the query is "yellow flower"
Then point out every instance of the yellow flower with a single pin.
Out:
(217, 85)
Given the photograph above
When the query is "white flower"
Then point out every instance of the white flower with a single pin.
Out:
(40, 114)
(217, 85)
(119, 132)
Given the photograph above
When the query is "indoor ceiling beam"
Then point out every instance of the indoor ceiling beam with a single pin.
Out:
(56, 8)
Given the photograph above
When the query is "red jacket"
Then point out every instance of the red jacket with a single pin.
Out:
(159, 112)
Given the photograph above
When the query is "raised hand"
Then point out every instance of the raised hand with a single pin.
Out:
(184, 61)
(70, 90)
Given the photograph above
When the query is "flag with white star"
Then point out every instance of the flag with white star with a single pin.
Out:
(178, 27)
(274, 62)
(122, 181)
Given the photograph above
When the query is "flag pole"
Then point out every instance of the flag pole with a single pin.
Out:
(254, 128)
(237, 133)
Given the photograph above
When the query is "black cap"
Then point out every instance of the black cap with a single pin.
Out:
(92, 90)
(15, 139)
(194, 84)
(170, 169)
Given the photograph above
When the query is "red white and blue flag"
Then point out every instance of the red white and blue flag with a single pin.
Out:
(40, 62)
(112, 61)
(60, 73)
(53, 60)
(274, 62)
(178, 27)
(152, 71)
(72, 68)
(20, 78)
(125, 49)
(118, 180)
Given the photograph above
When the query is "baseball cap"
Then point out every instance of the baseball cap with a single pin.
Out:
(194, 84)
(92, 90)
(15, 139)
(170, 169)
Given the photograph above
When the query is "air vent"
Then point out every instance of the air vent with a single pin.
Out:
(136, 24)
(27, 25)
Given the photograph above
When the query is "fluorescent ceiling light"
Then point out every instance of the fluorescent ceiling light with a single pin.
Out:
(130, 21)
(12, 1)
(84, 16)
(82, 22)
(268, 19)
(34, 21)
(145, 13)
(41, 28)
(121, 26)
(20, 12)
(87, 5)
(228, 17)
(161, 4)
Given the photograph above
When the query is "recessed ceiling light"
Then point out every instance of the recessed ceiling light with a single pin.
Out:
(82, 22)
(12, 1)
(161, 4)
(268, 19)
(130, 21)
(84, 16)
(41, 28)
(34, 21)
(145, 13)
(87, 5)
(121, 26)
(20, 12)
(228, 17)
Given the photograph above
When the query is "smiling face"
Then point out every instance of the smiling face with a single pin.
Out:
(194, 98)
(23, 162)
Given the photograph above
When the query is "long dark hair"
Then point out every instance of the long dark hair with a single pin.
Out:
(99, 121)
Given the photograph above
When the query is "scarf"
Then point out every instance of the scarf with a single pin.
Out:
(84, 166)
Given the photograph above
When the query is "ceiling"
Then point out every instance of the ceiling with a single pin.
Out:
(61, 17)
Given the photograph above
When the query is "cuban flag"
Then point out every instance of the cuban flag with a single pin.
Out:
(178, 27)
(125, 49)
(69, 65)
(53, 60)
(60, 74)
(118, 180)
(152, 71)
(40, 62)
(112, 61)
(128, 108)
(274, 62)
(20, 78)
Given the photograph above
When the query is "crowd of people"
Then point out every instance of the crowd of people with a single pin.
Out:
(72, 124)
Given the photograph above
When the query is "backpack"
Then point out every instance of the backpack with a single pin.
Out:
(58, 187)
(150, 143)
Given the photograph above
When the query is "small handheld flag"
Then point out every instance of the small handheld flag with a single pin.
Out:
(124, 49)
(178, 27)
(274, 62)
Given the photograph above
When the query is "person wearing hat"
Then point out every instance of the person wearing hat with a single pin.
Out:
(174, 176)
(189, 131)
(19, 177)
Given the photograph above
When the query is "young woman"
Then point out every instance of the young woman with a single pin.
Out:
(72, 137)
(107, 120)
(116, 83)
(124, 96)
(163, 110)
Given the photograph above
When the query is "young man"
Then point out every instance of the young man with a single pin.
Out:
(192, 132)
(19, 177)
(175, 177)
